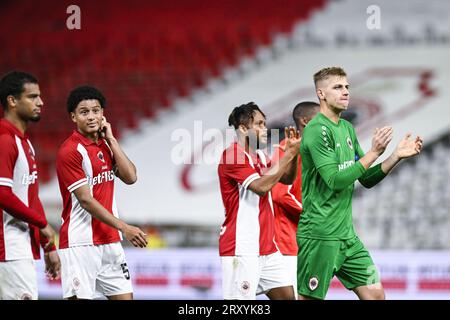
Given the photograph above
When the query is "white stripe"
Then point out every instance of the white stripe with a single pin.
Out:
(262, 156)
(273, 214)
(80, 229)
(17, 232)
(31, 147)
(250, 179)
(77, 184)
(294, 198)
(80, 225)
(6, 182)
(247, 223)
(250, 160)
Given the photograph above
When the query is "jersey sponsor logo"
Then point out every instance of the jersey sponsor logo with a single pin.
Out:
(349, 142)
(28, 179)
(313, 283)
(346, 164)
(102, 177)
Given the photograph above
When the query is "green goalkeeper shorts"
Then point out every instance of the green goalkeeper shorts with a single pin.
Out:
(319, 260)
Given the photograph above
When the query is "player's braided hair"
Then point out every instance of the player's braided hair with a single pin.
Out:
(243, 115)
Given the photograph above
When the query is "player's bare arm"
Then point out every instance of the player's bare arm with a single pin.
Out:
(264, 184)
(292, 141)
(133, 234)
(125, 169)
(406, 148)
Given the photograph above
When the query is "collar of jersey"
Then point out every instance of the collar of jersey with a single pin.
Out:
(84, 140)
(11, 127)
(329, 120)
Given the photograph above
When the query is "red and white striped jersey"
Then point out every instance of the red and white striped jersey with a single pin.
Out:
(249, 222)
(81, 161)
(18, 170)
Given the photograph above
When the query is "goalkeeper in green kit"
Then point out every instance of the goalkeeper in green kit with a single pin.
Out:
(332, 160)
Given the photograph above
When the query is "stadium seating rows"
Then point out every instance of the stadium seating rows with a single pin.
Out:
(408, 210)
(142, 56)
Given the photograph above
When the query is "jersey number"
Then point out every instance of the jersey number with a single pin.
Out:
(126, 272)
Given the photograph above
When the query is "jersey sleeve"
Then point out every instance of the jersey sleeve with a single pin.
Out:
(15, 207)
(283, 197)
(359, 152)
(240, 169)
(69, 167)
(281, 193)
(8, 157)
(321, 145)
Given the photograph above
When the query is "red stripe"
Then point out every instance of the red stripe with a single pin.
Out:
(64, 231)
(435, 284)
(200, 282)
(151, 281)
(395, 284)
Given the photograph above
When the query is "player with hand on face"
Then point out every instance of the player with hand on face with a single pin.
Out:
(88, 162)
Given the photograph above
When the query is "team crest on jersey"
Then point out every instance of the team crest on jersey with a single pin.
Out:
(313, 283)
(245, 287)
(100, 156)
(349, 142)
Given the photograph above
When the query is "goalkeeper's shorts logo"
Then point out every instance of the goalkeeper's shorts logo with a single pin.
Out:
(313, 283)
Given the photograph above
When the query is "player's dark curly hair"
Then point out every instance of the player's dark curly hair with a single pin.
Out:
(243, 115)
(12, 84)
(84, 93)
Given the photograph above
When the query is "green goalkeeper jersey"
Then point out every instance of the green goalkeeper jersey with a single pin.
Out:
(330, 166)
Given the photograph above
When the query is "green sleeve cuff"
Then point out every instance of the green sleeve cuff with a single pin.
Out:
(372, 176)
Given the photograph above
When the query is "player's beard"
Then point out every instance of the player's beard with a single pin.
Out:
(35, 118)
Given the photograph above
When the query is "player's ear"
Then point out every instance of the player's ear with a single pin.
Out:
(242, 129)
(11, 101)
(72, 116)
(320, 94)
(304, 121)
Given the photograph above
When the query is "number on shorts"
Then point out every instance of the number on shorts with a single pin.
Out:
(126, 272)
